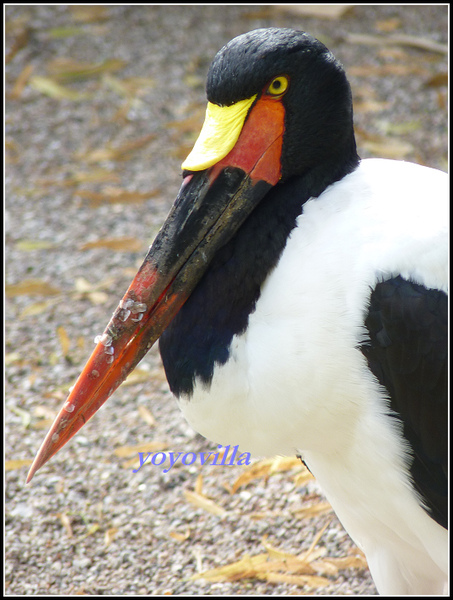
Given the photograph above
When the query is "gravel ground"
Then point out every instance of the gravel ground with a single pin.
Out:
(87, 524)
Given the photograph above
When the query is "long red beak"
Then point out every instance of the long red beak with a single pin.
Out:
(210, 207)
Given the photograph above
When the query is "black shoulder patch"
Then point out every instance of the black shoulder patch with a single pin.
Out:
(407, 352)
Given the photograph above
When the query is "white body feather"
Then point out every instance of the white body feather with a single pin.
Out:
(297, 383)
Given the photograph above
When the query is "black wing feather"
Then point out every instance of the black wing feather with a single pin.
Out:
(407, 352)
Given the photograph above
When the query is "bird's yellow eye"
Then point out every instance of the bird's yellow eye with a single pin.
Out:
(278, 86)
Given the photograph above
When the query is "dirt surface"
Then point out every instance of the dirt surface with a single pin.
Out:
(93, 166)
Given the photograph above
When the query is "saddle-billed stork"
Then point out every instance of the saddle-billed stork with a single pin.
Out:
(300, 298)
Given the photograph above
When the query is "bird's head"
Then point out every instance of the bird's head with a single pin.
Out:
(279, 107)
(287, 82)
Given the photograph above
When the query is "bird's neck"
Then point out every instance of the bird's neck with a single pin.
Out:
(201, 333)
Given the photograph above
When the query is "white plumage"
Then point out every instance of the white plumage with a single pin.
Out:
(297, 383)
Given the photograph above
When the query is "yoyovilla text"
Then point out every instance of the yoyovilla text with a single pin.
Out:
(189, 458)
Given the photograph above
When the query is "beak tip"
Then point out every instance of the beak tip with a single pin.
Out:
(40, 459)
(36, 464)
(50, 446)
